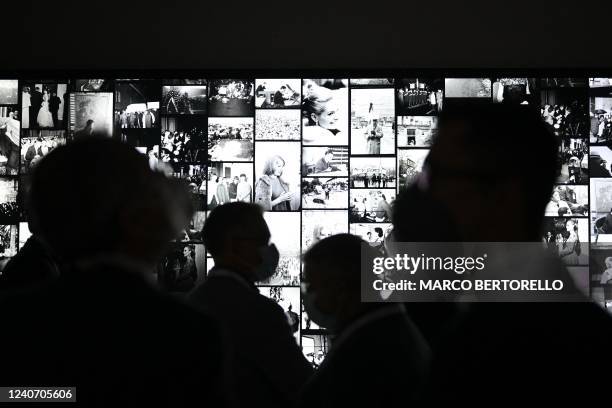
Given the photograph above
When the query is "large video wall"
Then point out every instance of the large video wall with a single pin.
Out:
(321, 156)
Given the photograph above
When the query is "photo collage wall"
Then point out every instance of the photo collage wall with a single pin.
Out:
(321, 156)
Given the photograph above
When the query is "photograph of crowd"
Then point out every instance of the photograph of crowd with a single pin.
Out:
(229, 182)
(8, 200)
(183, 139)
(137, 104)
(373, 234)
(323, 192)
(43, 105)
(568, 201)
(231, 97)
(8, 92)
(93, 85)
(419, 96)
(277, 174)
(91, 114)
(563, 82)
(9, 140)
(519, 91)
(416, 131)
(371, 205)
(182, 267)
(467, 88)
(315, 347)
(600, 161)
(565, 111)
(372, 121)
(283, 227)
(325, 112)
(277, 93)
(184, 100)
(568, 238)
(37, 143)
(319, 224)
(277, 124)
(357, 82)
(325, 161)
(574, 161)
(373, 172)
(288, 298)
(230, 139)
(410, 163)
(600, 111)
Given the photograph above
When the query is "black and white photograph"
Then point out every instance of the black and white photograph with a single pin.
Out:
(324, 192)
(410, 163)
(35, 144)
(192, 234)
(372, 121)
(9, 211)
(467, 87)
(382, 82)
(278, 93)
(420, 96)
(93, 85)
(137, 104)
(144, 140)
(563, 82)
(9, 140)
(517, 91)
(600, 87)
(182, 267)
(373, 234)
(565, 111)
(184, 100)
(229, 182)
(230, 139)
(24, 233)
(315, 347)
(284, 228)
(231, 97)
(568, 238)
(277, 176)
(601, 210)
(574, 161)
(600, 112)
(91, 114)
(600, 265)
(183, 139)
(416, 131)
(568, 201)
(373, 172)
(325, 112)
(279, 124)
(9, 94)
(328, 161)
(320, 224)
(194, 175)
(43, 105)
(179, 81)
(8, 240)
(307, 323)
(288, 298)
(371, 205)
(600, 161)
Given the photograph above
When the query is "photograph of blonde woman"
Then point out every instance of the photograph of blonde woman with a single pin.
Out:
(277, 169)
(325, 112)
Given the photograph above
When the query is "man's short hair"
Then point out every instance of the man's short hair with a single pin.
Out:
(329, 151)
(237, 219)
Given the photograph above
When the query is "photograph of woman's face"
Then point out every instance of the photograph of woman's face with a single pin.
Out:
(328, 118)
(279, 164)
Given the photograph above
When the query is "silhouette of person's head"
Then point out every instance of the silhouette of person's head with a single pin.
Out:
(237, 237)
(97, 197)
(492, 192)
(332, 281)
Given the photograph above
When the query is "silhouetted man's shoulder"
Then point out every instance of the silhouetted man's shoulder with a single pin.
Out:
(31, 267)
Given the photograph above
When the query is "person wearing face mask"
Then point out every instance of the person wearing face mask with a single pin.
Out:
(378, 357)
(267, 366)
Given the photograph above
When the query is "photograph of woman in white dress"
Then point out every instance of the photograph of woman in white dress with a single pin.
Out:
(325, 114)
(44, 118)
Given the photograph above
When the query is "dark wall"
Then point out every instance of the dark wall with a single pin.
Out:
(292, 34)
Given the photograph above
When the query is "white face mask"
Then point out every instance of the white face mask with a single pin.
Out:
(322, 319)
(269, 261)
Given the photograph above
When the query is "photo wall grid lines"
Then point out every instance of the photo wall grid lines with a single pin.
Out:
(321, 153)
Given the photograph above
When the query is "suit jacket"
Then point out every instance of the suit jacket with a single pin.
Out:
(36, 99)
(104, 330)
(31, 267)
(268, 367)
(381, 362)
